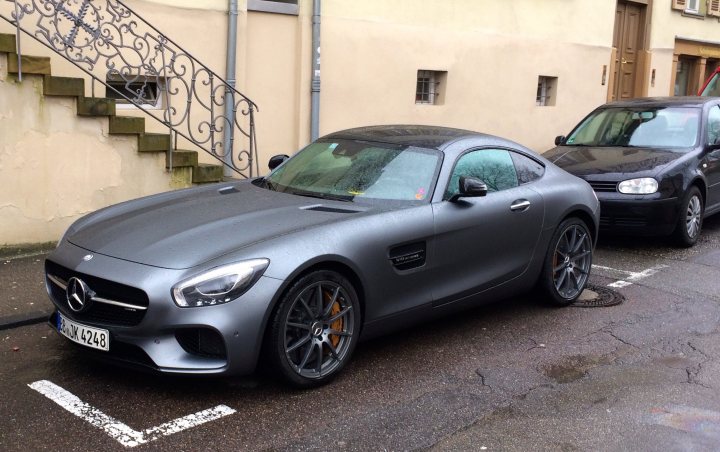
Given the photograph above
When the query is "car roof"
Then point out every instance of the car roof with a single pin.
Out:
(432, 137)
(680, 101)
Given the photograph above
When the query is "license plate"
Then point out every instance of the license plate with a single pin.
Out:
(86, 335)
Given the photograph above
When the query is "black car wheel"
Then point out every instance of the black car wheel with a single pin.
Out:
(314, 330)
(567, 263)
(690, 218)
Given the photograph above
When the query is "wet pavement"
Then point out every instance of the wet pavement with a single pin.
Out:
(24, 297)
(516, 375)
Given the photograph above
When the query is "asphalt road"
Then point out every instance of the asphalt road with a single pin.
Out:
(643, 375)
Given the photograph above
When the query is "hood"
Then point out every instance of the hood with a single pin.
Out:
(183, 229)
(611, 162)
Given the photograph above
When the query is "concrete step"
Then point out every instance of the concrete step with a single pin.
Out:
(182, 158)
(95, 106)
(63, 86)
(124, 125)
(7, 43)
(30, 64)
(206, 173)
(153, 142)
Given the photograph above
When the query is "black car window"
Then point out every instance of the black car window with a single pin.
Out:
(493, 166)
(714, 125)
(528, 170)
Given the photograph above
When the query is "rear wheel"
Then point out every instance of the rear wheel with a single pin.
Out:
(690, 218)
(567, 262)
(314, 330)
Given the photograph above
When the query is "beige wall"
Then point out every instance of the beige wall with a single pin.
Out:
(55, 166)
(493, 52)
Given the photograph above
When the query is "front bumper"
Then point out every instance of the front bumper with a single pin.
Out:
(229, 336)
(638, 215)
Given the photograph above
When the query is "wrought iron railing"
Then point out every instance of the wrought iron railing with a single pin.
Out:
(135, 61)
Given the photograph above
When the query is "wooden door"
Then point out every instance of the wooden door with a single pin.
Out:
(627, 40)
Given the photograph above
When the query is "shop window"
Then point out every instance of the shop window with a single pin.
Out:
(546, 91)
(430, 86)
(684, 85)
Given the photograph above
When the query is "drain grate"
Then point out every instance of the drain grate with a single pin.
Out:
(605, 297)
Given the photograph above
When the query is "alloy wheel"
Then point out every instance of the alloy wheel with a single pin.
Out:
(571, 261)
(693, 216)
(318, 329)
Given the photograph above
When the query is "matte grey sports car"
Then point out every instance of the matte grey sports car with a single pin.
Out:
(362, 232)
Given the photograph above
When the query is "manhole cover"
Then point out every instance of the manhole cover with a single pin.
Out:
(598, 297)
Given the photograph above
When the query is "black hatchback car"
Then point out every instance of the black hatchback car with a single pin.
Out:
(654, 163)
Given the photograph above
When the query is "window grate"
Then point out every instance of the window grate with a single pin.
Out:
(428, 89)
(546, 91)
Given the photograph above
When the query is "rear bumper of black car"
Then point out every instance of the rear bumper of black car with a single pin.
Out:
(632, 216)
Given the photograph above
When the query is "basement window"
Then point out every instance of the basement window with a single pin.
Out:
(430, 86)
(546, 91)
(141, 90)
(274, 6)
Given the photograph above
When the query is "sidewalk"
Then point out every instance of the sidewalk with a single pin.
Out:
(24, 299)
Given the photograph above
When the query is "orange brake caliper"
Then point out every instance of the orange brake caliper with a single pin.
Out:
(336, 325)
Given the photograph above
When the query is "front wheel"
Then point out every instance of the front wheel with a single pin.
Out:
(315, 329)
(690, 218)
(567, 262)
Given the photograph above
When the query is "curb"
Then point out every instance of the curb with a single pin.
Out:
(31, 318)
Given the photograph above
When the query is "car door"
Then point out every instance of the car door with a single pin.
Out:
(711, 160)
(482, 242)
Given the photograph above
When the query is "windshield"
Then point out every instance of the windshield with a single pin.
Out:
(347, 169)
(712, 89)
(660, 127)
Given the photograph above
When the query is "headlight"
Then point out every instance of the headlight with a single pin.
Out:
(642, 186)
(219, 285)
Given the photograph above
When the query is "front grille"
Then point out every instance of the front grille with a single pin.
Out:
(605, 187)
(202, 342)
(99, 313)
(622, 222)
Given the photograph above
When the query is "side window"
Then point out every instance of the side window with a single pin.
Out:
(714, 125)
(493, 166)
(528, 170)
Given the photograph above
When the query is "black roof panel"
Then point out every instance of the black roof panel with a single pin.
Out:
(407, 135)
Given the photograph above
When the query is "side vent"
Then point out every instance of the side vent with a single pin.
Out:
(407, 257)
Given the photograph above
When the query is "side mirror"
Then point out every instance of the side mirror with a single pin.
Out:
(470, 187)
(560, 140)
(277, 160)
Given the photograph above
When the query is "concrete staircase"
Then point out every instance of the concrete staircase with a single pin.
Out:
(103, 107)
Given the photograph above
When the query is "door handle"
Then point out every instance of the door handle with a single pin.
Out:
(520, 205)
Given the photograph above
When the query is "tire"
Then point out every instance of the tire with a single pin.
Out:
(314, 329)
(568, 262)
(690, 218)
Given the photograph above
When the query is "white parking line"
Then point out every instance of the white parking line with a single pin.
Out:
(116, 429)
(628, 277)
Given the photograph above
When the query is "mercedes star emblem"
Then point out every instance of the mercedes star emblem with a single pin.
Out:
(78, 295)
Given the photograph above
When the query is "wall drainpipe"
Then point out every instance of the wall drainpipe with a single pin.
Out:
(315, 88)
(229, 125)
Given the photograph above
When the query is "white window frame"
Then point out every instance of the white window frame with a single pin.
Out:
(693, 7)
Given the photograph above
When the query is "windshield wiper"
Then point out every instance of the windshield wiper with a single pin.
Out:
(312, 194)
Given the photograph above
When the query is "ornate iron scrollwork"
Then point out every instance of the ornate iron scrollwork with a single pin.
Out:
(111, 42)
